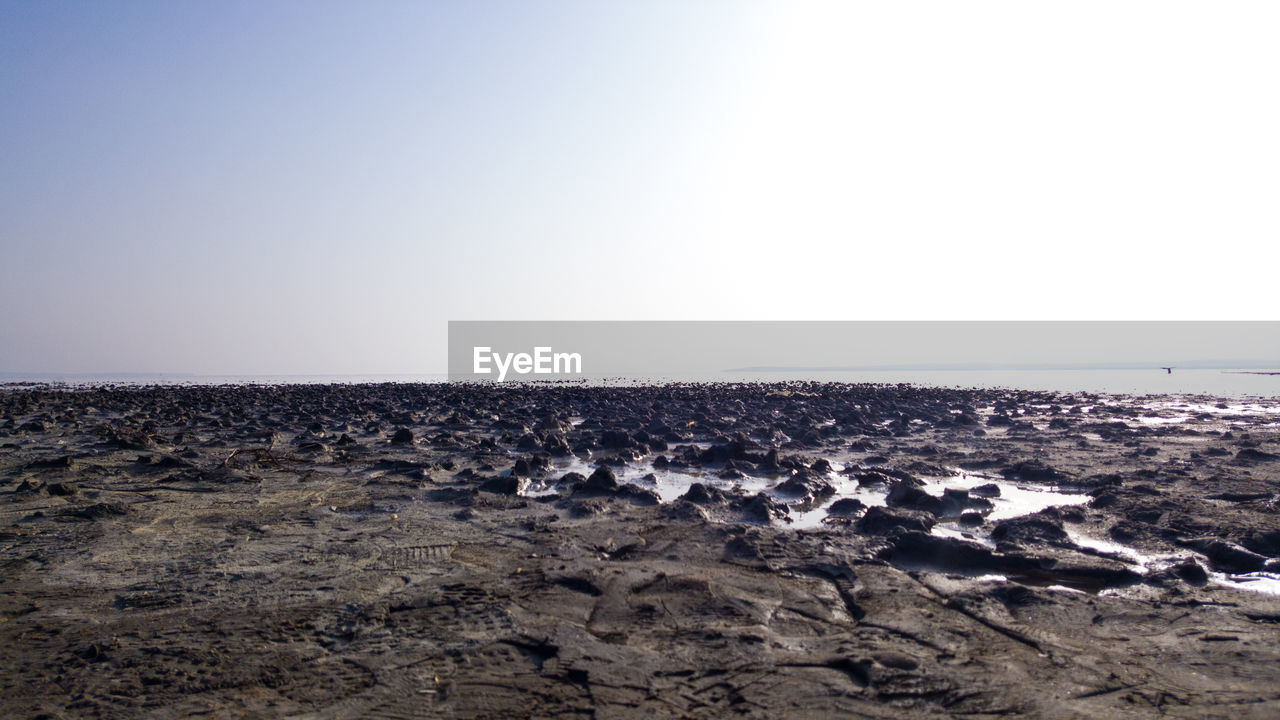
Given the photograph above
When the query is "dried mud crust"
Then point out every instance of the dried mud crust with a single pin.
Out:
(327, 552)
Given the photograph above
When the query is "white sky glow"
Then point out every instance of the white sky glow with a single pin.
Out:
(320, 187)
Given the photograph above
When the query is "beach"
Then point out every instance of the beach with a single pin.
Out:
(792, 549)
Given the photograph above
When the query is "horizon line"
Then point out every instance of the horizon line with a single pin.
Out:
(1185, 365)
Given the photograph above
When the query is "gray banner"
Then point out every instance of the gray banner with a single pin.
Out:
(504, 351)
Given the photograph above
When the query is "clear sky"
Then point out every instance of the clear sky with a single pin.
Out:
(317, 187)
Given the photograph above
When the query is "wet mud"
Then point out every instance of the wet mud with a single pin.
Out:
(785, 550)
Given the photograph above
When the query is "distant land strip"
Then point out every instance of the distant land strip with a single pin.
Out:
(1249, 367)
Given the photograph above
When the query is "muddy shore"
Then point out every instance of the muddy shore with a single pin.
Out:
(788, 550)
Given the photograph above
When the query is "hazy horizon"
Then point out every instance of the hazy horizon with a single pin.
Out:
(1225, 367)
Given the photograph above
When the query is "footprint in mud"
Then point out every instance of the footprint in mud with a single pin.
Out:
(416, 556)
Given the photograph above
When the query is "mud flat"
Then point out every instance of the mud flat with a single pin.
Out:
(785, 550)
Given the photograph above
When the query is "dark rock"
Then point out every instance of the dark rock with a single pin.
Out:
(1230, 558)
(557, 446)
(684, 512)
(956, 500)
(700, 494)
(906, 496)
(571, 480)
(132, 439)
(616, 439)
(1033, 471)
(872, 477)
(406, 468)
(1070, 513)
(58, 463)
(881, 520)
(585, 508)
(988, 490)
(640, 496)
(402, 436)
(1241, 496)
(601, 482)
(846, 507)
(170, 461)
(917, 548)
(768, 463)
(1266, 542)
(552, 423)
(1104, 498)
(1252, 455)
(96, 511)
(763, 509)
(1125, 531)
(1029, 530)
(504, 485)
(1190, 571)
(577, 584)
(806, 488)
(62, 489)
(457, 496)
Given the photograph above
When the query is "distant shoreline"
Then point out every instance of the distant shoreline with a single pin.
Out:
(1243, 368)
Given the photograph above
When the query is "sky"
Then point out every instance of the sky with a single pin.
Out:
(319, 187)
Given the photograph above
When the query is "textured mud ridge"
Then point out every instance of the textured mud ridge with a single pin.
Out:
(406, 551)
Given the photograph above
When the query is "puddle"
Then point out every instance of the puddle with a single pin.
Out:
(846, 487)
(1175, 420)
(669, 484)
(1016, 499)
(1263, 582)
(1123, 552)
(952, 531)
(1142, 562)
(1146, 563)
(1187, 411)
(1209, 408)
